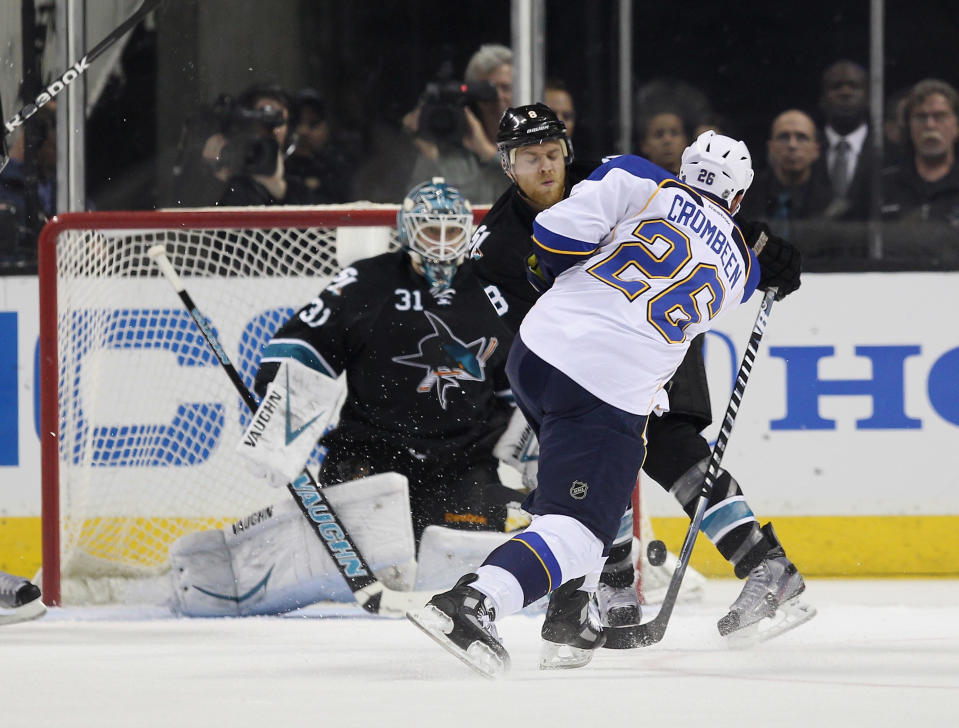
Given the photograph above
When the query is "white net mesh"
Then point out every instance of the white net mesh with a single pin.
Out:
(148, 420)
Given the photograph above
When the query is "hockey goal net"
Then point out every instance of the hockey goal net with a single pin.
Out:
(139, 421)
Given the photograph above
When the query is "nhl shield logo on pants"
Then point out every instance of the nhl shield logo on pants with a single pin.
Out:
(578, 489)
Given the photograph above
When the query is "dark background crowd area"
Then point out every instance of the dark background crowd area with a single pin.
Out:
(369, 62)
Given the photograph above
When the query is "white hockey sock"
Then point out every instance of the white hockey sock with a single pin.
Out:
(553, 550)
(502, 589)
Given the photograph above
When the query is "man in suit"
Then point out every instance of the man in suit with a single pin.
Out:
(846, 137)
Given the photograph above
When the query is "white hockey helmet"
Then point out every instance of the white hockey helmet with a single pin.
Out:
(717, 164)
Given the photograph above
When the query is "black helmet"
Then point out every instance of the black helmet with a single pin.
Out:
(521, 126)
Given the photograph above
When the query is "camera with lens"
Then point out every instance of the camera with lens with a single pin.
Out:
(442, 119)
(251, 148)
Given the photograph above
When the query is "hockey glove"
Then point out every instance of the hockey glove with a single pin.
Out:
(780, 262)
(536, 276)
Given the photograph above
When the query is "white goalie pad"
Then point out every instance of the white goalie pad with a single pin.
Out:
(447, 553)
(272, 561)
(518, 448)
(299, 405)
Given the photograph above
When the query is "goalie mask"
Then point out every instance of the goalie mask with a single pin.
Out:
(434, 224)
(719, 165)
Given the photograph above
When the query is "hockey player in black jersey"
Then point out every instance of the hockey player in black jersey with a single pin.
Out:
(424, 355)
(538, 157)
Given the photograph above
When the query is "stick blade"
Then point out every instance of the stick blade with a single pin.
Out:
(636, 635)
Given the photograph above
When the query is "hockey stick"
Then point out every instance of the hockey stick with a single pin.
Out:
(4, 156)
(649, 633)
(72, 73)
(370, 592)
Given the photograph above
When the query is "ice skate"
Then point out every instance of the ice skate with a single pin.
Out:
(19, 600)
(571, 632)
(618, 605)
(461, 622)
(769, 602)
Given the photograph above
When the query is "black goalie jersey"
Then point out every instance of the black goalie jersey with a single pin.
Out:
(424, 373)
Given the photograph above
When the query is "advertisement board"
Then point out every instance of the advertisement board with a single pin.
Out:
(847, 436)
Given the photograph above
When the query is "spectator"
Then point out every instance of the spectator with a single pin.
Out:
(847, 164)
(558, 98)
(788, 190)
(18, 234)
(313, 157)
(467, 156)
(663, 137)
(893, 126)
(493, 64)
(925, 185)
(202, 170)
(711, 121)
(673, 95)
(255, 143)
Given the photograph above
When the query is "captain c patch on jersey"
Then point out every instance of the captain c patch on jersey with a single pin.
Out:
(447, 359)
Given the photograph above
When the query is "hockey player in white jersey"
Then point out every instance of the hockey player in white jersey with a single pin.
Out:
(637, 263)
(19, 599)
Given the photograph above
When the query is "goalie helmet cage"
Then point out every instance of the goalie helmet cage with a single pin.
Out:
(138, 422)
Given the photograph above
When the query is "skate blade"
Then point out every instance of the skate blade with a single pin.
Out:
(30, 610)
(478, 657)
(555, 656)
(788, 616)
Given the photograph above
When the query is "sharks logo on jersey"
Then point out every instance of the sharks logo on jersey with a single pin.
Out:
(447, 359)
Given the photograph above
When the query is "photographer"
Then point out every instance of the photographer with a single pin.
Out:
(254, 142)
(201, 169)
(18, 184)
(451, 120)
(317, 153)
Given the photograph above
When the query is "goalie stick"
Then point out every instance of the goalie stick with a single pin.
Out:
(374, 596)
(649, 633)
(70, 75)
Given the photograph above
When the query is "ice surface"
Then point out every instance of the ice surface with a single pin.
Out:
(880, 653)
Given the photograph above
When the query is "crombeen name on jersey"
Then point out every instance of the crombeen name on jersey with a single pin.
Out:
(689, 214)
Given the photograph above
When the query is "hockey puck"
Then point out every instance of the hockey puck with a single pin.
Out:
(656, 553)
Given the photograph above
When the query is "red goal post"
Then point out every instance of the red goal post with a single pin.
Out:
(137, 422)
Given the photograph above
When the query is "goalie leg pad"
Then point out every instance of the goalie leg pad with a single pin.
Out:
(447, 553)
(272, 561)
(519, 448)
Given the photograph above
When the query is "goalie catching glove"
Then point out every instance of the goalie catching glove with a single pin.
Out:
(780, 262)
(300, 403)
